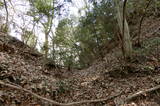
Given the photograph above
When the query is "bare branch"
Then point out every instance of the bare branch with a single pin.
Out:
(140, 93)
(141, 21)
(54, 102)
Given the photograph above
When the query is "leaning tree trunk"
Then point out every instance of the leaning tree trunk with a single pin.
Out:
(46, 48)
(124, 30)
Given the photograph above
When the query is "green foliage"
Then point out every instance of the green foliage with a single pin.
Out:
(29, 38)
(79, 45)
(65, 43)
(152, 42)
(148, 46)
(4, 28)
(42, 12)
(1, 4)
(94, 30)
(136, 8)
(44, 6)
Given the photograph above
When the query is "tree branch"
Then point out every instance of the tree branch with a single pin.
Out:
(140, 93)
(141, 21)
(54, 102)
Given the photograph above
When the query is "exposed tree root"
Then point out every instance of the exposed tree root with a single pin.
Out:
(54, 102)
(141, 93)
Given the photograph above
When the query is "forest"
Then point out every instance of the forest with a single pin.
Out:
(79, 52)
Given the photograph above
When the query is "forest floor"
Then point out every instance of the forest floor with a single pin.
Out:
(111, 82)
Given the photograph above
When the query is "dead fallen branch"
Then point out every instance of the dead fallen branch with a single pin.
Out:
(54, 102)
(141, 93)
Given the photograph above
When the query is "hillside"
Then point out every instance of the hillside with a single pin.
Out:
(111, 82)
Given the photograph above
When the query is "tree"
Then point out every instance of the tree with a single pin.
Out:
(66, 43)
(43, 12)
(6, 8)
(124, 30)
(95, 30)
(141, 21)
(4, 27)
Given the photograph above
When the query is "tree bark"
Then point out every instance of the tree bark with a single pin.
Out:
(6, 8)
(124, 29)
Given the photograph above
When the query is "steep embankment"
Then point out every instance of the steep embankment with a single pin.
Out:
(22, 67)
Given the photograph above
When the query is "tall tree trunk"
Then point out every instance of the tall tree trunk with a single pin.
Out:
(6, 8)
(124, 29)
(48, 27)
